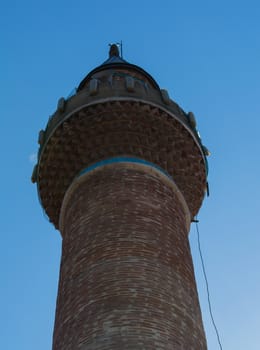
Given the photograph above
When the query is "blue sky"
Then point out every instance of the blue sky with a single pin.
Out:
(206, 54)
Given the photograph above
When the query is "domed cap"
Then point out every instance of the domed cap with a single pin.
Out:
(116, 62)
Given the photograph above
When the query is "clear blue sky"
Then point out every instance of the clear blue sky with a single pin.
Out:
(207, 54)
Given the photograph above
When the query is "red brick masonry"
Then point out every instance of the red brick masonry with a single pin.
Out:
(126, 278)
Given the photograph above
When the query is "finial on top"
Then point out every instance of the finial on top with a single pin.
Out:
(114, 51)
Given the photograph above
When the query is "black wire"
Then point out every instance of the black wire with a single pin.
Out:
(207, 285)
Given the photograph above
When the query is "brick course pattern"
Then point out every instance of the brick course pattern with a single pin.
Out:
(126, 278)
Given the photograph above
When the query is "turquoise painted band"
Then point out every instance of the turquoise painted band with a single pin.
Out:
(122, 160)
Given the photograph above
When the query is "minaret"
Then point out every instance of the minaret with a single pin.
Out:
(121, 173)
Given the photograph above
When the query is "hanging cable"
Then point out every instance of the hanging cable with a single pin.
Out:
(207, 284)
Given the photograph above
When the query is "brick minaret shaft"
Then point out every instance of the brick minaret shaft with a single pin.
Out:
(121, 172)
